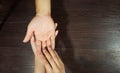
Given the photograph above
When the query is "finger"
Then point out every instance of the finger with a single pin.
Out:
(54, 56)
(53, 40)
(51, 52)
(28, 35)
(32, 41)
(38, 45)
(50, 59)
(58, 57)
(48, 68)
(56, 33)
(45, 62)
(48, 43)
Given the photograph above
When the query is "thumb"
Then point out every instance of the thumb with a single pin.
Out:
(28, 35)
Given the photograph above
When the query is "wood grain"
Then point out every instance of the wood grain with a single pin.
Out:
(88, 42)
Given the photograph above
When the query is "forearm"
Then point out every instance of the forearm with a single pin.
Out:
(43, 7)
(39, 68)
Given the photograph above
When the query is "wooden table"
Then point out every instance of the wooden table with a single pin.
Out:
(88, 42)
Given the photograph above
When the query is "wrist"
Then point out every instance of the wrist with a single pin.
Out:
(43, 7)
(43, 14)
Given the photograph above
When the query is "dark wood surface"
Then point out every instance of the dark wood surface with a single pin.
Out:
(88, 42)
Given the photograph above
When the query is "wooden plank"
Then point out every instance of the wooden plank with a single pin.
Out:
(6, 9)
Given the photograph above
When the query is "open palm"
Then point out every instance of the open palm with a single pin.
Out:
(43, 29)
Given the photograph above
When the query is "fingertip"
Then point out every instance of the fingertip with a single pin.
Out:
(28, 35)
(56, 33)
(56, 24)
(25, 40)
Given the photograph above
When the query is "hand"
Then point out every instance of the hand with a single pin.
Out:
(36, 47)
(51, 61)
(43, 28)
(39, 67)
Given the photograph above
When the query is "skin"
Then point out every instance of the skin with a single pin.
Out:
(47, 61)
(42, 26)
(52, 61)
